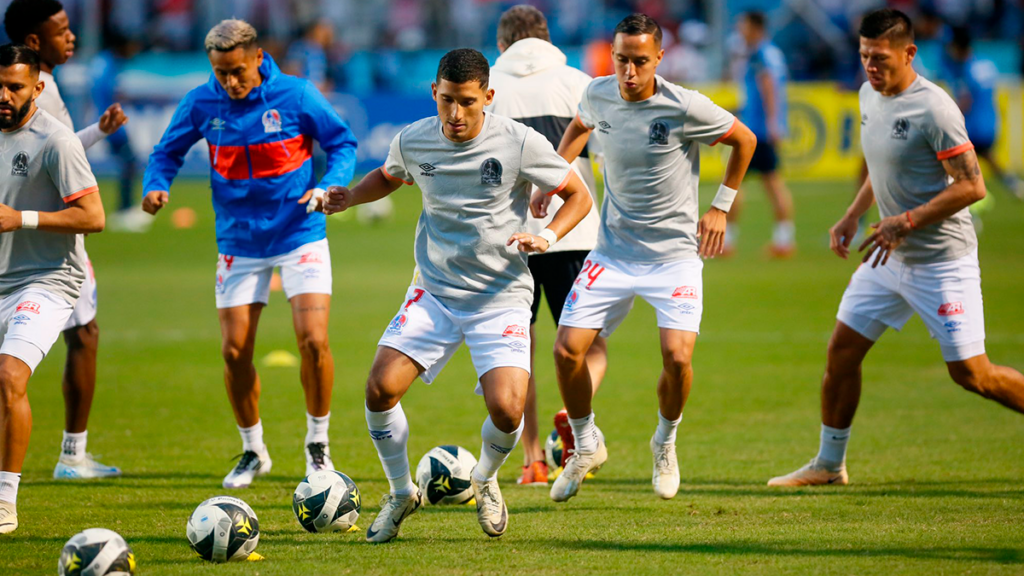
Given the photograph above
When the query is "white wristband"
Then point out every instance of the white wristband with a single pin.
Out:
(318, 195)
(723, 200)
(549, 235)
(29, 219)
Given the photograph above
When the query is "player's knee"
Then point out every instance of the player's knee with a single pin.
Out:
(568, 356)
(843, 357)
(314, 346)
(507, 418)
(236, 356)
(85, 337)
(970, 378)
(677, 361)
(379, 396)
(12, 388)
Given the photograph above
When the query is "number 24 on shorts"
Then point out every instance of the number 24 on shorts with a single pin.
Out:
(591, 271)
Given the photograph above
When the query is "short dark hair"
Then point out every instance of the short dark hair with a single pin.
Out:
(522, 21)
(11, 54)
(888, 24)
(637, 24)
(24, 17)
(464, 65)
(757, 18)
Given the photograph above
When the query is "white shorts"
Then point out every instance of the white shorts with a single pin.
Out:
(31, 320)
(947, 296)
(430, 333)
(242, 281)
(85, 308)
(603, 293)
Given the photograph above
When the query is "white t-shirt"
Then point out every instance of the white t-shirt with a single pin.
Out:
(652, 167)
(44, 168)
(51, 101)
(905, 138)
(533, 85)
(476, 195)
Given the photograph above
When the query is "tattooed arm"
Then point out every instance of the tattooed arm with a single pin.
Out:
(967, 188)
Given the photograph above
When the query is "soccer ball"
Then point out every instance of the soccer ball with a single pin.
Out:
(443, 475)
(223, 529)
(96, 551)
(326, 501)
(553, 450)
(375, 212)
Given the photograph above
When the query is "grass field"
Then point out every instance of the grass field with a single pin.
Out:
(936, 472)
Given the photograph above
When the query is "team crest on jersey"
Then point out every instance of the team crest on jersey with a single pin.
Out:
(514, 331)
(490, 172)
(900, 129)
(271, 121)
(397, 324)
(658, 133)
(951, 309)
(28, 306)
(20, 165)
(685, 292)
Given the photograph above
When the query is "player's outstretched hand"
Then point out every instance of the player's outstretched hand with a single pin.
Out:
(155, 200)
(539, 203)
(529, 243)
(314, 200)
(711, 232)
(10, 219)
(841, 235)
(337, 199)
(113, 119)
(888, 235)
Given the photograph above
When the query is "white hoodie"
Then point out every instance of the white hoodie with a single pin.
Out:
(532, 84)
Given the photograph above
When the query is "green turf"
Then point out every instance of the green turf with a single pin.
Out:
(935, 471)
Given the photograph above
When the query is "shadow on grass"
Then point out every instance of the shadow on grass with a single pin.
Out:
(968, 553)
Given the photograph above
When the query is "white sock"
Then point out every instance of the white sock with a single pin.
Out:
(833, 445)
(252, 438)
(666, 432)
(73, 446)
(732, 233)
(316, 428)
(784, 234)
(9, 487)
(494, 449)
(585, 433)
(390, 433)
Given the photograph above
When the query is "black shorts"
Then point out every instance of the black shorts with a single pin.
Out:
(764, 160)
(554, 274)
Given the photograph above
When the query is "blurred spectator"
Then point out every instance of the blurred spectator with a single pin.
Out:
(684, 60)
(307, 56)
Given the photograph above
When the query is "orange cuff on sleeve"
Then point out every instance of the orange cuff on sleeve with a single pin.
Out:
(954, 151)
(80, 193)
(562, 186)
(384, 171)
(735, 122)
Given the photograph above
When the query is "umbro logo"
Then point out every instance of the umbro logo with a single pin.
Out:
(428, 169)
(604, 126)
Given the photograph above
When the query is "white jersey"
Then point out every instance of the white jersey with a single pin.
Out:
(652, 167)
(475, 196)
(533, 85)
(45, 168)
(51, 101)
(905, 138)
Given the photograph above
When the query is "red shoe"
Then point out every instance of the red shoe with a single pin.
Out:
(534, 474)
(565, 433)
(782, 252)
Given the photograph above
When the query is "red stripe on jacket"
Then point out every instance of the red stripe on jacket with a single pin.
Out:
(268, 160)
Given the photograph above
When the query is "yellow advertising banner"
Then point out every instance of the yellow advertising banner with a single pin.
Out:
(824, 131)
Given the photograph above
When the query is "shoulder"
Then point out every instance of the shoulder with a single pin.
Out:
(772, 55)
(57, 136)
(865, 91)
(679, 96)
(935, 98)
(503, 126)
(602, 86)
(425, 127)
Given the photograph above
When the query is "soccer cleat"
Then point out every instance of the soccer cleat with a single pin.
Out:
(84, 468)
(813, 474)
(392, 512)
(535, 474)
(8, 518)
(666, 470)
(318, 457)
(565, 433)
(782, 251)
(250, 465)
(491, 511)
(575, 471)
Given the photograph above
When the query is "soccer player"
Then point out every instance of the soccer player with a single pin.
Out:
(532, 84)
(472, 285)
(973, 80)
(923, 254)
(650, 239)
(47, 201)
(764, 111)
(260, 125)
(43, 26)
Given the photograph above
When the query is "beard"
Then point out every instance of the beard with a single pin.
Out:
(17, 116)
